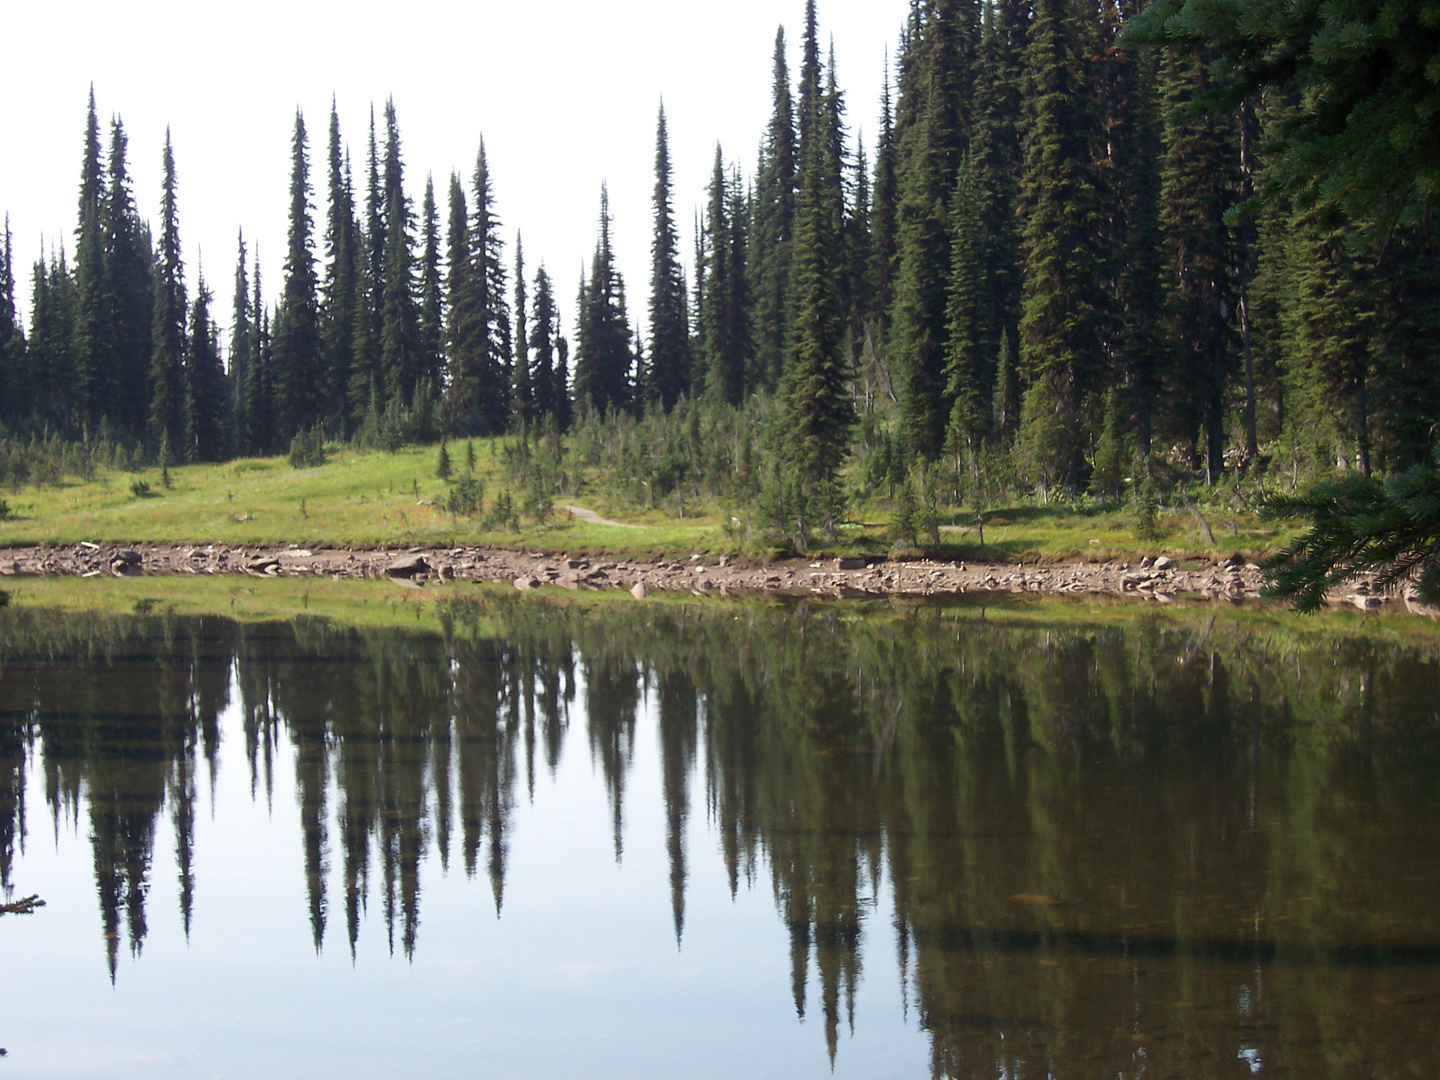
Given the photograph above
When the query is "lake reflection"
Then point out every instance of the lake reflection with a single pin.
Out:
(539, 839)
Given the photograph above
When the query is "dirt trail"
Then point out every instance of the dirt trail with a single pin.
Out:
(595, 519)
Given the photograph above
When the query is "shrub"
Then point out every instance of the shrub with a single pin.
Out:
(1147, 525)
(141, 489)
(4, 510)
(307, 450)
(503, 514)
(465, 497)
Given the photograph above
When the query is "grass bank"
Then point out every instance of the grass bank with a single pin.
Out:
(377, 499)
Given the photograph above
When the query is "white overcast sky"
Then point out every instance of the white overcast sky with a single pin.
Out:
(565, 93)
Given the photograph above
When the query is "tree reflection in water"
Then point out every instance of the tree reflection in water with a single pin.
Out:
(1112, 847)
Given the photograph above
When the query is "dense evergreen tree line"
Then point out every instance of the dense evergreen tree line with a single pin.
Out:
(1039, 279)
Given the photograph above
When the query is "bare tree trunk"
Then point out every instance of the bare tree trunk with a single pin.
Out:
(1252, 442)
(1361, 422)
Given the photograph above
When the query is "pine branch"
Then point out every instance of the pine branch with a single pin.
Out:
(1357, 527)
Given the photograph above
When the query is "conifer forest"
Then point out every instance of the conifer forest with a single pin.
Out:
(1058, 272)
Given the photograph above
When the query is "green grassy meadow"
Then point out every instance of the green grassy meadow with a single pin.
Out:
(379, 499)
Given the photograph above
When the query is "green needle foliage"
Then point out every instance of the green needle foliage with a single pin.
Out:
(1360, 526)
(1364, 139)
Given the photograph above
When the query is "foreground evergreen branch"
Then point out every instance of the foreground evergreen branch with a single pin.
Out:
(1360, 526)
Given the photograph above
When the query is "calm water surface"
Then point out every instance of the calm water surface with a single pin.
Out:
(530, 840)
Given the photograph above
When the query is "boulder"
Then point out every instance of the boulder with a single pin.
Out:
(130, 558)
(852, 562)
(1164, 563)
(525, 584)
(640, 592)
(408, 566)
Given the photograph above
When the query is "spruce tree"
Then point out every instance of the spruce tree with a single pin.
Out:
(930, 158)
(1134, 124)
(884, 248)
(1198, 187)
(94, 370)
(740, 308)
(432, 295)
(461, 323)
(1406, 399)
(206, 438)
(488, 374)
(367, 382)
(1328, 320)
(262, 437)
(12, 341)
(604, 352)
(49, 375)
(724, 371)
(340, 290)
(670, 367)
(773, 228)
(724, 312)
(295, 362)
(242, 351)
(817, 409)
(399, 319)
(1062, 351)
(522, 394)
(860, 300)
(995, 169)
(564, 392)
(167, 402)
(965, 352)
(129, 274)
(543, 341)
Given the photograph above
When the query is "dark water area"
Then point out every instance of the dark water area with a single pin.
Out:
(536, 840)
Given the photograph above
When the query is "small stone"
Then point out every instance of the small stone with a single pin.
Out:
(1164, 563)
(640, 592)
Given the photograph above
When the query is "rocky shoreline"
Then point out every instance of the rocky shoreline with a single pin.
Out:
(1159, 580)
